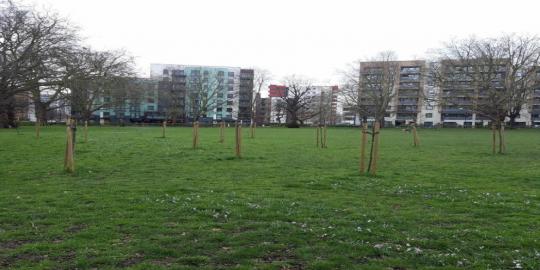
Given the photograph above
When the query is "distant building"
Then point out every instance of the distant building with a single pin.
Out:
(228, 90)
(263, 110)
(276, 93)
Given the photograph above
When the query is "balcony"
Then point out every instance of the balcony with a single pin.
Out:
(408, 93)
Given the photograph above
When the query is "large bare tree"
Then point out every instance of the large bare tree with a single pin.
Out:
(202, 94)
(298, 101)
(31, 46)
(97, 80)
(261, 78)
(496, 75)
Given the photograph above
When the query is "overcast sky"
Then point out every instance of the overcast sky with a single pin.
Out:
(311, 38)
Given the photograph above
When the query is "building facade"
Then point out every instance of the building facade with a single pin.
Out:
(209, 93)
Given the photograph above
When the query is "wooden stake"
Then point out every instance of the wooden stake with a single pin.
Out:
(252, 130)
(325, 142)
(163, 126)
(502, 146)
(238, 135)
(221, 132)
(373, 167)
(416, 141)
(69, 163)
(195, 134)
(37, 128)
(494, 138)
(363, 148)
(317, 131)
(85, 131)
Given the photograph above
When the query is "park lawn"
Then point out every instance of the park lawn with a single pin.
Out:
(143, 202)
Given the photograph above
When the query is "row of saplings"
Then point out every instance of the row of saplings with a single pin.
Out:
(321, 141)
(69, 156)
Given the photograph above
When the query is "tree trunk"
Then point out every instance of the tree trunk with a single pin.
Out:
(7, 113)
(363, 148)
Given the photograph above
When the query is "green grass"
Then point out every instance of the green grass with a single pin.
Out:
(143, 202)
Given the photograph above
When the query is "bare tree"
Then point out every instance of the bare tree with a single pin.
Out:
(491, 77)
(97, 80)
(298, 101)
(202, 94)
(261, 78)
(368, 89)
(31, 44)
(279, 107)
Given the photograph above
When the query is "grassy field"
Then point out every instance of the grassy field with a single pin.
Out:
(143, 202)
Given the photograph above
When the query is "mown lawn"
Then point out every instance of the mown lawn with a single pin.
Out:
(143, 202)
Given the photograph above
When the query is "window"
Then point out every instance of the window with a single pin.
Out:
(219, 109)
(195, 72)
(220, 73)
(231, 88)
(105, 114)
(229, 109)
(230, 95)
(150, 100)
(150, 107)
(230, 103)
(165, 72)
(231, 74)
(230, 81)
(429, 115)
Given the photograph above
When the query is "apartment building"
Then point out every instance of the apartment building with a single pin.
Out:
(276, 93)
(140, 103)
(408, 102)
(465, 88)
(263, 109)
(325, 104)
(213, 92)
(535, 102)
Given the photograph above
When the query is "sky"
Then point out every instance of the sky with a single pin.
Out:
(314, 39)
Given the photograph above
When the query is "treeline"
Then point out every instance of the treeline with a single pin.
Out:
(42, 55)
